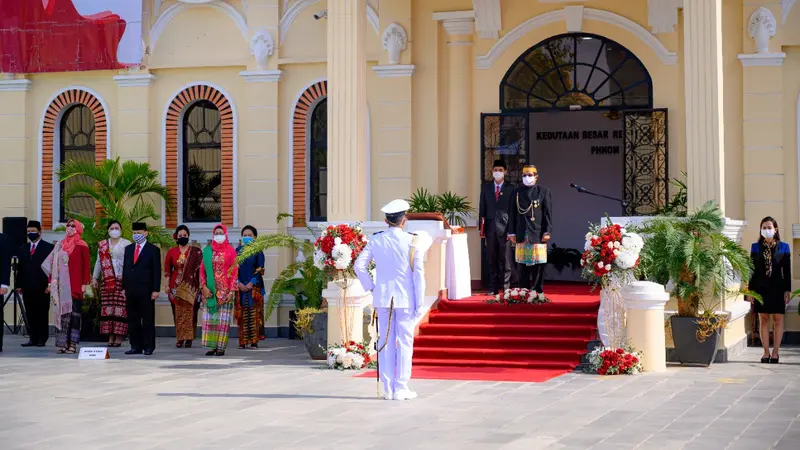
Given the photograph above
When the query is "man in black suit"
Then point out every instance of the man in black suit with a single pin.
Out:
(494, 212)
(5, 279)
(32, 284)
(141, 279)
(532, 224)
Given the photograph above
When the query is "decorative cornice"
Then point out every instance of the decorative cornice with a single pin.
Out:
(457, 23)
(762, 59)
(487, 60)
(135, 80)
(487, 18)
(394, 71)
(13, 85)
(261, 76)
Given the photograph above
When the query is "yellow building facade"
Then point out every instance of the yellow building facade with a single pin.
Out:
(330, 109)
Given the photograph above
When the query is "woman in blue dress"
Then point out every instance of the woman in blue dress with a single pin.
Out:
(249, 307)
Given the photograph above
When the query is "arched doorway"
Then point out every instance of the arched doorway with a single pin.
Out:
(580, 107)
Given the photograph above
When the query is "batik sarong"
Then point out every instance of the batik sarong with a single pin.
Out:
(531, 254)
(216, 327)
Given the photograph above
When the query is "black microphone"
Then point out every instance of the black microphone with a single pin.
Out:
(580, 189)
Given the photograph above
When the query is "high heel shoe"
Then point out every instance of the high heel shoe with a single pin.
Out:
(774, 360)
(765, 360)
(211, 353)
(179, 344)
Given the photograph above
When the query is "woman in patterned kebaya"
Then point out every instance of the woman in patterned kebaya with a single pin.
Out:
(249, 309)
(182, 266)
(219, 279)
(108, 278)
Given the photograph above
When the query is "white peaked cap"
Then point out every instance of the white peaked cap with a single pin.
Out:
(396, 207)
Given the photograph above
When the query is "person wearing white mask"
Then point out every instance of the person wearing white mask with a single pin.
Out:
(772, 280)
(141, 279)
(108, 278)
(494, 213)
(531, 226)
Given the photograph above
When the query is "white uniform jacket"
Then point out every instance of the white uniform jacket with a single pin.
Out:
(394, 279)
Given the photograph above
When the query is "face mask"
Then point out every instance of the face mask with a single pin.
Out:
(247, 240)
(139, 238)
(768, 234)
(70, 231)
(114, 234)
(33, 236)
(529, 181)
(498, 175)
(183, 241)
(219, 238)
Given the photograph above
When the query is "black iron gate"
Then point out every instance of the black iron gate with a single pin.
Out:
(504, 136)
(645, 183)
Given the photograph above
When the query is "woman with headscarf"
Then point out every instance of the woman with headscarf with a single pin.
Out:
(107, 277)
(249, 309)
(182, 267)
(69, 273)
(219, 280)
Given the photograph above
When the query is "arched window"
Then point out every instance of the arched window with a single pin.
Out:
(576, 70)
(318, 167)
(77, 142)
(202, 163)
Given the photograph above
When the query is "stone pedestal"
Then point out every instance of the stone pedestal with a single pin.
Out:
(644, 302)
(352, 300)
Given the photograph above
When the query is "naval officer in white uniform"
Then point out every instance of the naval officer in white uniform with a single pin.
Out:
(398, 295)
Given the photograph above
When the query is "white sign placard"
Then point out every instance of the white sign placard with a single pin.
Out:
(94, 353)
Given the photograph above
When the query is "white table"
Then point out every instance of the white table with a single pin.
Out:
(457, 274)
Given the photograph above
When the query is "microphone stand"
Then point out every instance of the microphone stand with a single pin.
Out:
(583, 190)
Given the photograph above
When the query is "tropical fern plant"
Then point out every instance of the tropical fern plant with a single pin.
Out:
(696, 256)
(123, 192)
(305, 288)
(454, 208)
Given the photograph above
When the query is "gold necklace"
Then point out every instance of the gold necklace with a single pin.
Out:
(525, 212)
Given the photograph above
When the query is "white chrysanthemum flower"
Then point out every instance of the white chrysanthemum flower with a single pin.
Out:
(319, 259)
(600, 265)
(342, 256)
(588, 246)
(337, 241)
(610, 245)
(340, 359)
(617, 244)
(626, 260)
(357, 361)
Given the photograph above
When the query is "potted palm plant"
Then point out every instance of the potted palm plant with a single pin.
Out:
(699, 262)
(122, 192)
(454, 208)
(303, 281)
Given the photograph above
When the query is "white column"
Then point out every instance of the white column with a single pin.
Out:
(705, 154)
(459, 26)
(347, 111)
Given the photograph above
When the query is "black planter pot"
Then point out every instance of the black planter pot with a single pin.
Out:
(687, 348)
(317, 341)
(293, 335)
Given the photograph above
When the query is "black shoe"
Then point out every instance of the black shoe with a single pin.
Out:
(133, 352)
(765, 360)
(774, 360)
(148, 352)
(29, 344)
(220, 353)
(211, 353)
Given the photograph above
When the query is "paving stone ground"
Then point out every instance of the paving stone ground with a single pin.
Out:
(275, 397)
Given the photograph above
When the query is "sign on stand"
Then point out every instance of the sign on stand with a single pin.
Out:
(94, 353)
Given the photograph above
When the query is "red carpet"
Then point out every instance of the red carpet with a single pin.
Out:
(478, 374)
(470, 339)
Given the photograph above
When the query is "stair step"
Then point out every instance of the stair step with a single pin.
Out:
(513, 318)
(493, 363)
(523, 355)
(513, 330)
(505, 342)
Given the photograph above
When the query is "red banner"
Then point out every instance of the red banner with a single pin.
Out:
(52, 36)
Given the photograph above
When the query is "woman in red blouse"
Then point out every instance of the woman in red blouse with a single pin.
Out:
(70, 274)
(182, 267)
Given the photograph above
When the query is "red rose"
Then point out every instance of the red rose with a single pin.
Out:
(620, 351)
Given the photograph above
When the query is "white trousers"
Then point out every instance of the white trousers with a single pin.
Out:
(394, 360)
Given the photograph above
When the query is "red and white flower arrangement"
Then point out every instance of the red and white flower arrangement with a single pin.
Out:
(611, 361)
(519, 296)
(611, 252)
(337, 248)
(354, 356)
